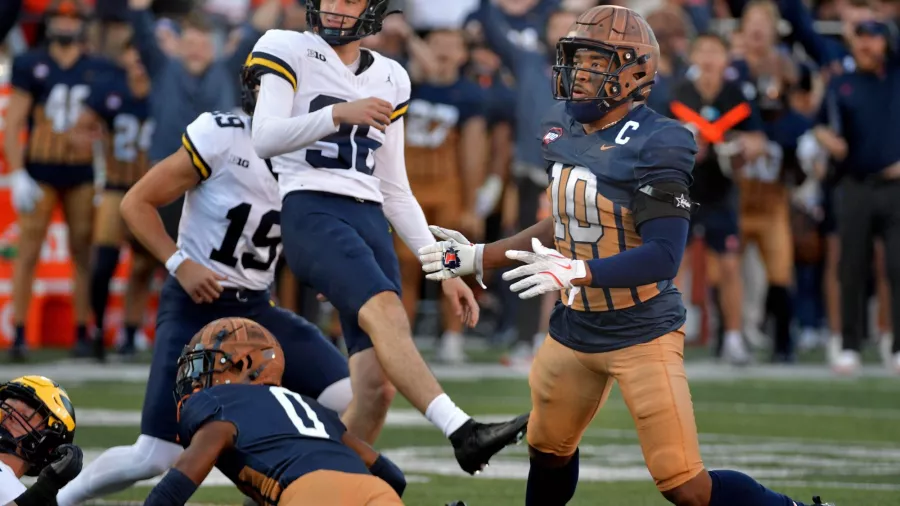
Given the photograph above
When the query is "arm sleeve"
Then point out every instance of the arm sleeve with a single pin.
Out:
(207, 144)
(275, 131)
(666, 163)
(657, 259)
(400, 206)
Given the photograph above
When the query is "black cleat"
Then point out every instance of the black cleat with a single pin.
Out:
(818, 502)
(455, 503)
(475, 443)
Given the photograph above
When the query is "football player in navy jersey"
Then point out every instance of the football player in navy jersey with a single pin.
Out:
(50, 85)
(277, 446)
(446, 142)
(619, 174)
(118, 110)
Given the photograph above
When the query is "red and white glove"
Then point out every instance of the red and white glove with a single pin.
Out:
(547, 270)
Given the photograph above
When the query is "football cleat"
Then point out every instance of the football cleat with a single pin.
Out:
(818, 502)
(475, 443)
(455, 503)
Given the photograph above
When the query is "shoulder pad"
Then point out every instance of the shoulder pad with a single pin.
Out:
(208, 138)
(275, 53)
(197, 410)
(668, 153)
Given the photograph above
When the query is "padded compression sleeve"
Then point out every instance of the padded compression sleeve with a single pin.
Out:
(657, 259)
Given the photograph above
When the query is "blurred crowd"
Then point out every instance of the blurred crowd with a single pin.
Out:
(795, 106)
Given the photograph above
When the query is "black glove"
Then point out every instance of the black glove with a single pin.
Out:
(65, 466)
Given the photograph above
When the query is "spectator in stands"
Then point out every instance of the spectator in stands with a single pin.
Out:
(194, 81)
(446, 143)
(859, 126)
(769, 74)
(673, 32)
(728, 132)
(48, 84)
(530, 62)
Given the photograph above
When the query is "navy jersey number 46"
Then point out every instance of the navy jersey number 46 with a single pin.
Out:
(352, 143)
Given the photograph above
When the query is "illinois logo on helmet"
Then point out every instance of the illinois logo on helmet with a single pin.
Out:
(229, 351)
(36, 417)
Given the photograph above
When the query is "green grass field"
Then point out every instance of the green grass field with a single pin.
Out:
(797, 430)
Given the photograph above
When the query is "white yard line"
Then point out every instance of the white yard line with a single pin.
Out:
(74, 371)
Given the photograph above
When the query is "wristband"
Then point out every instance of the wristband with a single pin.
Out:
(479, 270)
(175, 261)
(385, 469)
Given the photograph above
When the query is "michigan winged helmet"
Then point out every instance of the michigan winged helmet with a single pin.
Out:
(52, 423)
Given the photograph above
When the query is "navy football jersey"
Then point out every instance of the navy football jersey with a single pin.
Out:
(129, 128)
(436, 115)
(593, 181)
(58, 95)
(281, 436)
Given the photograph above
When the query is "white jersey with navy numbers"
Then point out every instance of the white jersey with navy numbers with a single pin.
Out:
(349, 161)
(10, 486)
(231, 221)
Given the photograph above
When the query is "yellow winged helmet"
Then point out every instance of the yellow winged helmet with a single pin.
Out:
(51, 425)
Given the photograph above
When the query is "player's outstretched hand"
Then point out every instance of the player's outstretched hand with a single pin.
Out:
(451, 257)
(463, 301)
(201, 283)
(66, 466)
(547, 270)
(371, 111)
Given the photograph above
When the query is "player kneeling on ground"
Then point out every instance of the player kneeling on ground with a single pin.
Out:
(37, 427)
(277, 446)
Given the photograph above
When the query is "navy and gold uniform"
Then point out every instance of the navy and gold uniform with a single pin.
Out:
(57, 97)
(632, 336)
(593, 180)
(434, 123)
(282, 436)
(129, 128)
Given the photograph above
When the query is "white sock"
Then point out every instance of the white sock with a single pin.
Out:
(734, 335)
(119, 468)
(444, 414)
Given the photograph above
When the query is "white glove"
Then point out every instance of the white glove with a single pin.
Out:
(547, 270)
(452, 257)
(25, 191)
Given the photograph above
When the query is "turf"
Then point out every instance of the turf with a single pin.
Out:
(835, 438)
